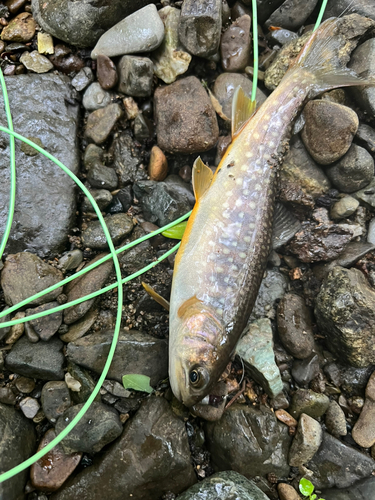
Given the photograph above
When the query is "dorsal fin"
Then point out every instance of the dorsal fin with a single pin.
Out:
(202, 177)
(242, 110)
(158, 298)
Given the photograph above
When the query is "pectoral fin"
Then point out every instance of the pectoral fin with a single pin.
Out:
(158, 298)
(202, 177)
(243, 109)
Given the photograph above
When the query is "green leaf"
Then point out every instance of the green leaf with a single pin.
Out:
(137, 382)
(313, 497)
(306, 487)
(176, 232)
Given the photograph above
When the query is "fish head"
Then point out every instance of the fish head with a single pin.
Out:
(196, 358)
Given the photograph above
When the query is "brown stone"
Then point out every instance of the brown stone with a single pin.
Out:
(51, 471)
(235, 45)
(101, 122)
(106, 72)
(20, 29)
(14, 5)
(286, 418)
(158, 166)
(131, 108)
(364, 430)
(287, 492)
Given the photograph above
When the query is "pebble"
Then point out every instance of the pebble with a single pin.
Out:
(272, 289)
(158, 166)
(95, 97)
(363, 8)
(100, 176)
(364, 430)
(55, 400)
(102, 197)
(335, 420)
(294, 324)
(132, 348)
(29, 407)
(139, 256)
(363, 488)
(309, 402)
(25, 385)
(362, 62)
(60, 465)
(209, 412)
(255, 348)
(29, 150)
(142, 31)
(80, 383)
(200, 27)
(343, 208)
(83, 79)
(127, 161)
(291, 14)
(329, 130)
(78, 329)
(286, 418)
(135, 76)
(235, 45)
(118, 225)
(125, 195)
(287, 492)
(7, 396)
(20, 29)
(45, 43)
(15, 5)
(141, 129)
(16, 331)
(131, 108)
(70, 260)
(351, 341)
(46, 326)
(170, 60)
(179, 186)
(101, 122)
(366, 137)
(106, 72)
(186, 120)
(34, 61)
(354, 171)
(70, 63)
(116, 388)
(304, 371)
(306, 442)
(280, 37)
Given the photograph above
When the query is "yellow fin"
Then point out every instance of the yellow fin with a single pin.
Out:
(158, 298)
(202, 177)
(242, 110)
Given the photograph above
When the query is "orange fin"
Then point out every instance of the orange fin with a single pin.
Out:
(184, 307)
(243, 109)
(202, 177)
(158, 298)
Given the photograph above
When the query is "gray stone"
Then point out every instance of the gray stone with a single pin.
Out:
(101, 122)
(102, 177)
(230, 484)
(70, 260)
(343, 208)
(280, 37)
(304, 371)
(142, 31)
(256, 350)
(136, 352)
(362, 62)
(151, 457)
(366, 137)
(83, 79)
(127, 160)
(337, 464)
(181, 187)
(25, 385)
(81, 23)
(272, 288)
(200, 26)
(250, 441)
(103, 198)
(43, 360)
(235, 45)
(95, 97)
(361, 489)
(29, 407)
(55, 400)
(345, 314)
(306, 442)
(307, 401)
(38, 107)
(79, 328)
(141, 129)
(371, 232)
(362, 7)
(291, 14)
(81, 384)
(36, 62)
(118, 225)
(366, 196)
(364, 429)
(139, 255)
(335, 420)
(17, 443)
(46, 326)
(135, 76)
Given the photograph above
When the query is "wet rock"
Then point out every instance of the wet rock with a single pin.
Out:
(86, 284)
(345, 314)
(306, 370)
(291, 14)
(343, 208)
(366, 137)
(306, 442)
(329, 130)
(103, 198)
(209, 412)
(280, 37)
(102, 177)
(118, 225)
(131, 108)
(141, 129)
(354, 171)
(158, 166)
(106, 72)
(60, 466)
(25, 385)
(83, 79)
(80, 383)
(186, 120)
(286, 418)
(309, 402)
(34, 61)
(65, 61)
(181, 187)
(230, 484)
(45, 43)
(200, 27)
(95, 97)
(17, 443)
(55, 400)
(272, 288)
(78, 329)
(363, 488)
(46, 326)
(170, 60)
(39, 108)
(128, 465)
(80, 23)
(136, 352)
(256, 350)
(135, 76)
(142, 31)
(20, 29)
(29, 407)
(364, 430)
(125, 195)
(294, 325)
(363, 7)
(16, 331)
(366, 196)
(127, 161)
(24, 274)
(139, 255)
(362, 62)
(101, 122)
(337, 464)
(335, 420)
(239, 441)
(7, 396)
(287, 492)
(235, 45)
(43, 360)
(160, 203)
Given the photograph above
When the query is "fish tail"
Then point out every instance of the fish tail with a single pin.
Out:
(321, 57)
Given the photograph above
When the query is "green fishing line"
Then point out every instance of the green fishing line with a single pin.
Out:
(255, 50)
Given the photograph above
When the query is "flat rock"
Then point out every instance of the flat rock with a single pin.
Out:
(362, 62)
(136, 352)
(46, 326)
(307, 401)
(39, 108)
(363, 488)
(306, 442)
(83, 79)
(119, 226)
(55, 400)
(103, 198)
(185, 119)
(256, 350)
(81, 23)
(142, 31)
(272, 288)
(36, 62)
(127, 160)
(343, 208)
(42, 360)
(362, 7)
(364, 429)
(96, 97)
(20, 29)
(345, 314)
(235, 45)
(291, 14)
(151, 457)
(79, 328)
(366, 137)
(135, 76)
(335, 420)
(101, 122)
(305, 370)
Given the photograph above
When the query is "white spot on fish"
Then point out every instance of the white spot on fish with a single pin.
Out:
(252, 205)
(219, 311)
(226, 251)
(220, 269)
(239, 202)
(234, 243)
(241, 215)
(246, 192)
(230, 259)
(247, 239)
(244, 168)
(251, 225)
(256, 135)
(226, 205)
(239, 181)
(249, 154)
(258, 187)
(242, 255)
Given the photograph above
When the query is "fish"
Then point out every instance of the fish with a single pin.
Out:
(224, 251)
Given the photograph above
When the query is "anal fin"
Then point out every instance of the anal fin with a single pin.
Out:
(243, 109)
(202, 177)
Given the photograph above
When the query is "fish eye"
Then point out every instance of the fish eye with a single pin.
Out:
(198, 377)
(194, 377)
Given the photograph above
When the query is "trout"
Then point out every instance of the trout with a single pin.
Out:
(225, 247)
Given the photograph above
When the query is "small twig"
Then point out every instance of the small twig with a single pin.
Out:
(236, 396)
